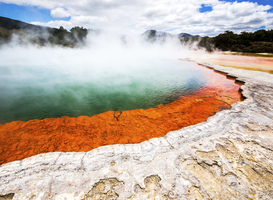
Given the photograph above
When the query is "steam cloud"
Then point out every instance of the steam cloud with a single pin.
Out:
(110, 72)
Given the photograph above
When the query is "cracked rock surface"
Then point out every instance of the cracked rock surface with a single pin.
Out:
(230, 156)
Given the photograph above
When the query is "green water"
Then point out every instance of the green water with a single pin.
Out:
(41, 91)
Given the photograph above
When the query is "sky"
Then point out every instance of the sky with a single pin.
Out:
(196, 17)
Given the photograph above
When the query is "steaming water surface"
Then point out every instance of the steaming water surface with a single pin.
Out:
(40, 83)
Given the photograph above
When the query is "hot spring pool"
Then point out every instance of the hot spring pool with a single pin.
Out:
(54, 82)
(31, 91)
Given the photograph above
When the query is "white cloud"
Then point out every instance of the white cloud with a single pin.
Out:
(138, 16)
(59, 13)
(56, 24)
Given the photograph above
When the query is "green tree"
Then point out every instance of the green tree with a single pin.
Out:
(79, 33)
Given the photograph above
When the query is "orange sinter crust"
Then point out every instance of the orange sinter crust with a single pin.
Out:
(24, 139)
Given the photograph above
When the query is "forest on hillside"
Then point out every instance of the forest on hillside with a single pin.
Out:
(260, 41)
(25, 33)
(76, 36)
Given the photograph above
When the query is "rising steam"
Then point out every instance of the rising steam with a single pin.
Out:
(110, 72)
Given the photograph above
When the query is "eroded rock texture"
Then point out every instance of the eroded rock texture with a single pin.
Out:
(227, 157)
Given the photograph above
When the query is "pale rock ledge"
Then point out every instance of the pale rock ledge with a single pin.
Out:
(230, 156)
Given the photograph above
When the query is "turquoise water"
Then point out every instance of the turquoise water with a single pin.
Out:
(54, 90)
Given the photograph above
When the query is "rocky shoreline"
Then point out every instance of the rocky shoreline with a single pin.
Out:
(227, 157)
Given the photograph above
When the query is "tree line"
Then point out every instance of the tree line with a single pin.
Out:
(29, 33)
(62, 37)
(260, 41)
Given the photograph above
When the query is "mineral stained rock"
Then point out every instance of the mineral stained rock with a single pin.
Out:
(227, 157)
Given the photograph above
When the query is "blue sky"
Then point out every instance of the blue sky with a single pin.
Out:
(26, 13)
(203, 17)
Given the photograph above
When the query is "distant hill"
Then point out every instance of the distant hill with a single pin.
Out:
(186, 35)
(11, 24)
(260, 41)
(153, 35)
(40, 35)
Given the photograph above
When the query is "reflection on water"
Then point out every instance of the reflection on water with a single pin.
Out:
(38, 92)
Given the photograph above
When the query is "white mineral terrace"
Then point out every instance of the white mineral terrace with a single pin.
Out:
(230, 156)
